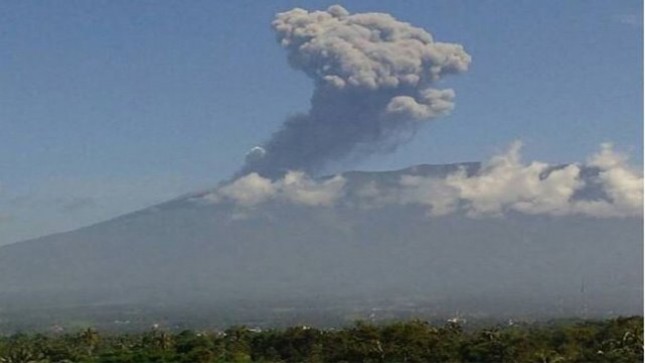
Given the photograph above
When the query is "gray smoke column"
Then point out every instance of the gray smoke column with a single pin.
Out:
(374, 82)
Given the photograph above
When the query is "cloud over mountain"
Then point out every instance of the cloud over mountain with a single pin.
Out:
(295, 187)
(505, 184)
(605, 186)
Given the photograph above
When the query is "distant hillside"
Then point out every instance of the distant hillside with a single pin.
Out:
(188, 251)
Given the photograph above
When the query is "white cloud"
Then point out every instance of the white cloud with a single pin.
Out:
(503, 184)
(248, 190)
(506, 184)
(298, 188)
(295, 187)
(622, 184)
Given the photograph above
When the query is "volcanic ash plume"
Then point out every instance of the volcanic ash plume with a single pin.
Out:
(374, 82)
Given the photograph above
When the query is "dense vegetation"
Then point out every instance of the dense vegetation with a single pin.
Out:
(616, 340)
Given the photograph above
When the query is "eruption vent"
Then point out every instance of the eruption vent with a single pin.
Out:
(374, 80)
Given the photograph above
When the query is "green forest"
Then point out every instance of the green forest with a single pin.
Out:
(614, 340)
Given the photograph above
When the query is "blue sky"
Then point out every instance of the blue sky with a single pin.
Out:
(108, 107)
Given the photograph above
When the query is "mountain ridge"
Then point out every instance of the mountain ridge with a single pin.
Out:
(181, 252)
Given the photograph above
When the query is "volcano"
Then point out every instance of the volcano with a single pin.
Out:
(188, 252)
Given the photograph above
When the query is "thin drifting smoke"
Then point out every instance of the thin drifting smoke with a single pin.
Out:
(374, 80)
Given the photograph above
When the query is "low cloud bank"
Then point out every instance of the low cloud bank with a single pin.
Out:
(605, 186)
(506, 184)
(295, 187)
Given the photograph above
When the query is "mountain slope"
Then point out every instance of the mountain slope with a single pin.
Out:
(187, 252)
